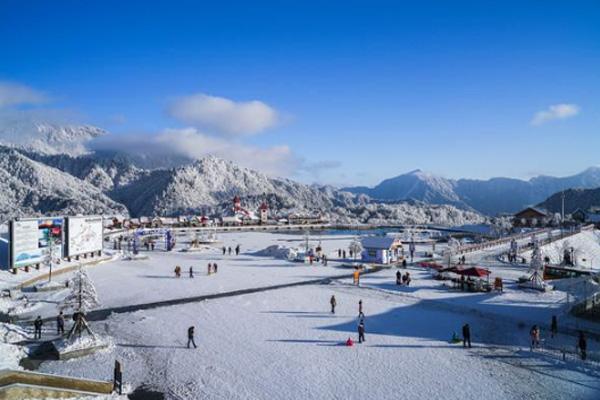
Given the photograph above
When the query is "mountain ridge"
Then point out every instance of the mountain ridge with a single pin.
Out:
(492, 196)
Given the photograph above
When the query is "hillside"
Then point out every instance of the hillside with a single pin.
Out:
(574, 199)
(30, 188)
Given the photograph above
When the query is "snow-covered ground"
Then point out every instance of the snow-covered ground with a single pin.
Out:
(286, 344)
(586, 247)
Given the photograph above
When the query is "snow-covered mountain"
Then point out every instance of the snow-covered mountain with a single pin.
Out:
(48, 169)
(47, 138)
(492, 196)
(105, 170)
(415, 185)
(29, 188)
(209, 184)
(104, 183)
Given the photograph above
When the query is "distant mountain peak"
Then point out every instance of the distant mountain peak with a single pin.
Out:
(492, 196)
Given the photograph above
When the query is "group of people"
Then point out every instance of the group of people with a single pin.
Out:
(228, 250)
(212, 268)
(403, 279)
(535, 333)
(38, 323)
(361, 320)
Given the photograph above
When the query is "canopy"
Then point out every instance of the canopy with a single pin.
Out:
(426, 264)
(455, 269)
(474, 271)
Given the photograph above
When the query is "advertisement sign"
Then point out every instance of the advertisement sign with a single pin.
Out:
(50, 236)
(84, 235)
(32, 239)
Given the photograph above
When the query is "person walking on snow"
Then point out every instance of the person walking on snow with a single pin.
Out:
(215, 268)
(339, 253)
(333, 304)
(37, 326)
(191, 337)
(237, 250)
(398, 278)
(361, 332)
(229, 250)
(191, 272)
(582, 344)
(60, 324)
(534, 333)
(360, 308)
(224, 250)
(209, 268)
(466, 331)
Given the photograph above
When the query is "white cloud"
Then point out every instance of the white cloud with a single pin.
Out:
(223, 115)
(14, 94)
(555, 112)
(275, 160)
(179, 145)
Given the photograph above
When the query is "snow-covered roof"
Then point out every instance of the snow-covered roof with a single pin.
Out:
(537, 210)
(379, 242)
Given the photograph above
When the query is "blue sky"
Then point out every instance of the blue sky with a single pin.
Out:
(361, 90)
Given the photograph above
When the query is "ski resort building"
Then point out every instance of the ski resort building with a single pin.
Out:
(381, 249)
(531, 217)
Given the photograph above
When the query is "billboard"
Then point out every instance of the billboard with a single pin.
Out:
(32, 239)
(84, 235)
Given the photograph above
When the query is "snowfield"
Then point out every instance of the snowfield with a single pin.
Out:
(286, 344)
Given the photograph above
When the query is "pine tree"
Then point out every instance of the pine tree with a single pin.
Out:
(81, 299)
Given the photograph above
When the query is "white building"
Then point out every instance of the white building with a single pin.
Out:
(381, 249)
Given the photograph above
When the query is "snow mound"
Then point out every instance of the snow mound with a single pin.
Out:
(11, 355)
(279, 252)
(82, 343)
(10, 333)
(586, 247)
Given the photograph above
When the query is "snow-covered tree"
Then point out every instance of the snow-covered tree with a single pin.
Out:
(501, 226)
(355, 247)
(82, 296)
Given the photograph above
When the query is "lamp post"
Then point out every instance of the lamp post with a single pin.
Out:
(50, 252)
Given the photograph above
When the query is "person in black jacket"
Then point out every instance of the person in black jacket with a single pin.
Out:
(466, 331)
(60, 324)
(333, 303)
(582, 344)
(553, 326)
(361, 332)
(37, 326)
(191, 337)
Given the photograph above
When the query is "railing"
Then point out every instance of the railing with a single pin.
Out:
(51, 382)
(469, 248)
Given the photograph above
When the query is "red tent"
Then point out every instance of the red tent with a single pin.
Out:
(477, 272)
(455, 269)
(426, 264)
